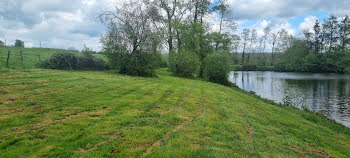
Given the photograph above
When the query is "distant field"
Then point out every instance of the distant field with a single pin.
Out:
(50, 113)
(30, 56)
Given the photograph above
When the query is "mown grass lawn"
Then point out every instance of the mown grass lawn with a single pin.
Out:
(51, 113)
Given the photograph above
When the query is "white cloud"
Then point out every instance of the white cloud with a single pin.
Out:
(66, 23)
(56, 23)
(308, 23)
(261, 9)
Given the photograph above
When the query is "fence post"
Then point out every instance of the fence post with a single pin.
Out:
(8, 58)
(22, 59)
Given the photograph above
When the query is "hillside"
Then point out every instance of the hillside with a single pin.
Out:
(47, 113)
(30, 56)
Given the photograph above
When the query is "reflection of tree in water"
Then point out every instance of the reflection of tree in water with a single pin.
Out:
(293, 93)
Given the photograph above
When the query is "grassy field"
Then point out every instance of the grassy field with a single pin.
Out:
(30, 56)
(51, 113)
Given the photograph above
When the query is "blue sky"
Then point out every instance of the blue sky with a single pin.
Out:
(58, 25)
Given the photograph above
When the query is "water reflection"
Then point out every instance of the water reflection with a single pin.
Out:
(328, 94)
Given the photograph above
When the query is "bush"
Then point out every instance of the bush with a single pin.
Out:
(89, 62)
(217, 68)
(61, 61)
(185, 63)
(138, 64)
(68, 61)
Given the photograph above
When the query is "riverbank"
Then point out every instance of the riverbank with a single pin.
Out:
(48, 113)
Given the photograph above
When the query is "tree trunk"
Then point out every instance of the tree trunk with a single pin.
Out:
(243, 54)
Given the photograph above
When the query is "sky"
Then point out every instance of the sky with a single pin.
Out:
(72, 23)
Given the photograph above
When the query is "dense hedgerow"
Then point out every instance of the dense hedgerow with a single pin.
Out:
(69, 61)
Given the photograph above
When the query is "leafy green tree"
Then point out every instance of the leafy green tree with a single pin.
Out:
(331, 31)
(19, 43)
(344, 32)
(131, 43)
(187, 64)
(217, 68)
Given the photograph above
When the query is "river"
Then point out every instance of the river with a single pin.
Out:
(327, 94)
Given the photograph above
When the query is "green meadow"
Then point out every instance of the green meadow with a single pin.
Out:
(53, 113)
(30, 56)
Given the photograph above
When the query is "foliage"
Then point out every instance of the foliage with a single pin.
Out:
(299, 57)
(19, 43)
(69, 61)
(130, 44)
(217, 68)
(185, 63)
(89, 62)
(138, 64)
(61, 61)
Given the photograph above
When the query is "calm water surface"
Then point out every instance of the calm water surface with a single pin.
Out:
(328, 94)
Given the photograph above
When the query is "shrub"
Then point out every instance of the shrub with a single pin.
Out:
(186, 63)
(62, 61)
(138, 64)
(68, 61)
(89, 62)
(217, 68)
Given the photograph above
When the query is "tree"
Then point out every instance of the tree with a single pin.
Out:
(201, 7)
(226, 19)
(133, 21)
(274, 37)
(344, 32)
(331, 31)
(236, 42)
(261, 41)
(19, 43)
(267, 31)
(174, 11)
(217, 67)
(131, 40)
(187, 63)
(283, 40)
(317, 37)
(253, 36)
(308, 38)
(245, 37)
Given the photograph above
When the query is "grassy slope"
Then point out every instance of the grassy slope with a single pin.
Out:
(49, 113)
(30, 56)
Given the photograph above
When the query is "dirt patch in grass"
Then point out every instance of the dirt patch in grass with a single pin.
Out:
(310, 151)
(11, 110)
(11, 100)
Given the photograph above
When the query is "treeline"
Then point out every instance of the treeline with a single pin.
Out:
(324, 49)
(140, 32)
(251, 44)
